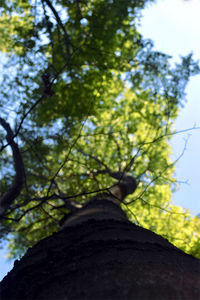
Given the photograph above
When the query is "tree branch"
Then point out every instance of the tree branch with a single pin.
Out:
(13, 192)
(66, 37)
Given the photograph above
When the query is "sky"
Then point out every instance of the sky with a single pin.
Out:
(174, 26)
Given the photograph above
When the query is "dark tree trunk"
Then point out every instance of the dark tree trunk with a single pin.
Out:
(101, 255)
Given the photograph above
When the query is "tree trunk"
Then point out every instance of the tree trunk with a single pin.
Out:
(102, 255)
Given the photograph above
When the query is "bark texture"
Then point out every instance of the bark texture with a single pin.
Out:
(103, 258)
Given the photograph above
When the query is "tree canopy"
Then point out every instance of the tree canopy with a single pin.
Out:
(83, 95)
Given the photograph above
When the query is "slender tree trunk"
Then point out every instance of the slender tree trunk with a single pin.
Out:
(99, 254)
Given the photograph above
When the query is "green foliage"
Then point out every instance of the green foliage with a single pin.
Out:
(109, 103)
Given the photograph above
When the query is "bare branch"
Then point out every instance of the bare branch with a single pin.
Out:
(67, 40)
(7, 199)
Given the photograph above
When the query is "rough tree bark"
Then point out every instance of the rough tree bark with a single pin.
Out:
(99, 254)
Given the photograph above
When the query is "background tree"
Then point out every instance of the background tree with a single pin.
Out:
(85, 96)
